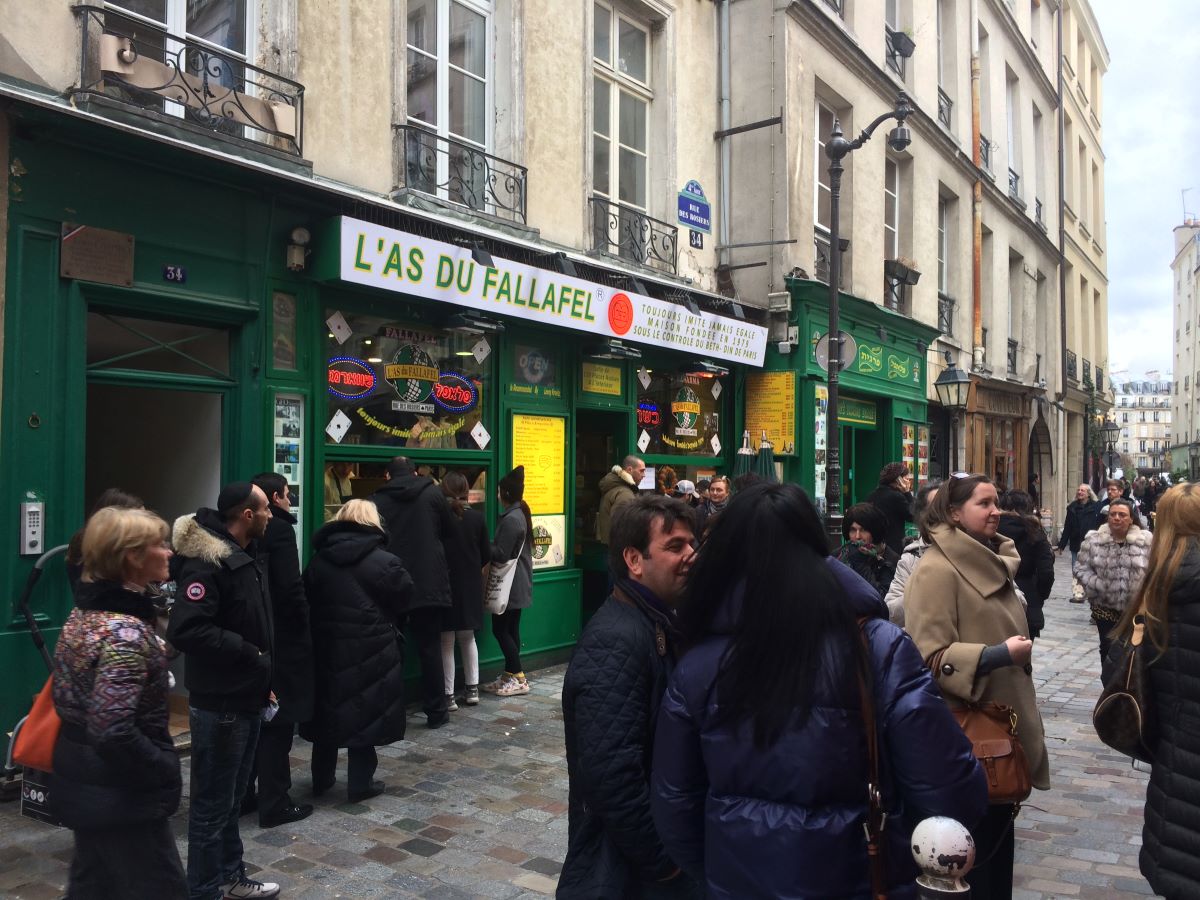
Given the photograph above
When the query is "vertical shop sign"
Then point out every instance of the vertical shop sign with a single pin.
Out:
(289, 448)
(820, 437)
(540, 445)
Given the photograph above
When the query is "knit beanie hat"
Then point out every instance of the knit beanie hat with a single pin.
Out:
(513, 484)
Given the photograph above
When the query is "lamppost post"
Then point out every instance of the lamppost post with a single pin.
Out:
(837, 149)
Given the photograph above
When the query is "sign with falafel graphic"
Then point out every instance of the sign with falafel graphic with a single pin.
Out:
(359, 252)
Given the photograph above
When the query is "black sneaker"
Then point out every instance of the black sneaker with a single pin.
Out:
(292, 813)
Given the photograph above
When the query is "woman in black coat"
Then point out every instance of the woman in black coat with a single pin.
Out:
(864, 551)
(1081, 515)
(894, 499)
(469, 552)
(358, 593)
(1035, 576)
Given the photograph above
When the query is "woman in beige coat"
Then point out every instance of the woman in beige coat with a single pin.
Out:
(962, 600)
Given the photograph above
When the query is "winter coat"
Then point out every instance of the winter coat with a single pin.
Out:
(787, 822)
(706, 515)
(961, 599)
(1035, 575)
(1171, 832)
(1110, 572)
(510, 535)
(1080, 519)
(610, 700)
(470, 550)
(420, 528)
(616, 489)
(114, 762)
(293, 679)
(221, 620)
(904, 568)
(897, 507)
(1102, 513)
(874, 563)
(358, 593)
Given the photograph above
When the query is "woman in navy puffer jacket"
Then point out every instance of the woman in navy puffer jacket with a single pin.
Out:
(760, 764)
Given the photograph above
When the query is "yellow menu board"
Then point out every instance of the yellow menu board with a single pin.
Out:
(771, 407)
(540, 445)
(601, 379)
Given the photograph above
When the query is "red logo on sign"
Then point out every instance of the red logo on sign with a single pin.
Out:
(620, 314)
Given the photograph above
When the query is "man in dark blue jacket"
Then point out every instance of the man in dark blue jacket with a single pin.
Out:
(611, 694)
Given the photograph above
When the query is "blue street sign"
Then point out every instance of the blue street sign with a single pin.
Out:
(694, 210)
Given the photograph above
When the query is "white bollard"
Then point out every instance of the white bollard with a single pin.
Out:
(945, 852)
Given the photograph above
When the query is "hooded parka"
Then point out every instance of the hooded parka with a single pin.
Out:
(420, 528)
(616, 489)
(358, 593)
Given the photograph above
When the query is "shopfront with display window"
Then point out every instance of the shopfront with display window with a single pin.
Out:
(998, 436)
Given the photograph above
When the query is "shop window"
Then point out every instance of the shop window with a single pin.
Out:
(346, 480)
(406, 385)
(680, 414)
(536, 371)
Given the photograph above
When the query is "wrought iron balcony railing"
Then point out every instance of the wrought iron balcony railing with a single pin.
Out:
(1099, 379)
(1039, 213)
(168, 77)
(1013, 347)
(1072, 366)
(1014, 184)
(945, 315)
(985, 153)
(1087, 373)
(945, 108)
(462, 173)
(838, 6)
(631, 234)
(895, 61)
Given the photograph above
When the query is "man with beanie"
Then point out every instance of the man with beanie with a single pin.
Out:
(611, 694)
(618, 487)
(221, 621)
(421, 530)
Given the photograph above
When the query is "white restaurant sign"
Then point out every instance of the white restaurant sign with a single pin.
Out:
(380, 257)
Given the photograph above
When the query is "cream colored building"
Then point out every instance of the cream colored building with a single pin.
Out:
(1143, 409)
(1185, 284)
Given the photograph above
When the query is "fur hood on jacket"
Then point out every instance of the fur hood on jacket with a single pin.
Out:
(202, 537)
(1111, 572)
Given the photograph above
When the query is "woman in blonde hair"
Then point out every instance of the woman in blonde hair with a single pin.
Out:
(358, 593)
(116, 772)
(1171, 594)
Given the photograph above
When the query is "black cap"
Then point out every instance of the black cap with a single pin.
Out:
(233, 495)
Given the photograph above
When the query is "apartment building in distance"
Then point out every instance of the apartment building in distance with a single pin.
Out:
(1143, 409)
(1185, 289)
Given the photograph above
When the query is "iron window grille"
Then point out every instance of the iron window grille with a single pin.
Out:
(1087, 373)
(985, 153)
(1013, 347)
(462, 173)
(1014, 184)
(945, 107)
(632, 234)
(1099, 378)
(1039, 213)
(838, 6)
(1072, 366)
(895, 61)
(945, 315)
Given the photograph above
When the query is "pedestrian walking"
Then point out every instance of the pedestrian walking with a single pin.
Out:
(1110, 567)
(1079, 520)
(116, 770)
(618, 487)
(1171, 594)
(358, 592)
(761, 752)
(514, 540)
(221, 622)
(894, 499)
(913, 551)
(863, 549)
(611, 696)
(421, 530)
(471, 551)
(961, 603)
(1115, 489)
(1035, 575)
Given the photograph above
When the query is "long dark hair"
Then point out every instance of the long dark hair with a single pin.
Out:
(1020, 503)
(508, 498)
(769, 548)
(455, 487)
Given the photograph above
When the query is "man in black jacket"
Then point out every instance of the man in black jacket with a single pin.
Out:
(221, 621)
(613, 688)
(293, 676)
(420, 530)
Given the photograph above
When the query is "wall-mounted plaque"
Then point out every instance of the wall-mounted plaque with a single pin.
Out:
(96, 254)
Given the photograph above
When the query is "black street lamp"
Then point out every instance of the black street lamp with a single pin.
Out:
(953, 387)
(1110, 431)
(837, 148)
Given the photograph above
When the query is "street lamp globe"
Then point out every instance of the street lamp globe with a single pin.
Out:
(1111, 431)
(952, 386)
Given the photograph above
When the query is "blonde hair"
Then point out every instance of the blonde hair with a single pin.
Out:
(1176, 528)
(364, 512)
(112, 535)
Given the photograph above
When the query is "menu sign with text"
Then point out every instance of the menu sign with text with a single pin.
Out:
(539, 444)
(771, 407)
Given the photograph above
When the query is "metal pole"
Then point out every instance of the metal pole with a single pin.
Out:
(833, 452)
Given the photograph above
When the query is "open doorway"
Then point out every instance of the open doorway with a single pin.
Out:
(597, 433)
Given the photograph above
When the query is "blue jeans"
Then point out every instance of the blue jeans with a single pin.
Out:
(222, 760)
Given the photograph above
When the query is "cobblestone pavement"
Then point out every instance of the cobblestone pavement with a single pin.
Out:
(478, 808)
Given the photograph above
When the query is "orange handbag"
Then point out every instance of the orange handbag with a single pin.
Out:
(34, 742)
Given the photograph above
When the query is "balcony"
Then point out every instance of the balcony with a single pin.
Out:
(945, 320)
(985, 153)
(838, 6)
(1039, 214)
(461, 173)
(1072, 367)
(898, 47)
(174, 80)
(1014, 185)
(945, 107)
(631, 234)
(1099, 379)
(1013, 347)
(1087, 374)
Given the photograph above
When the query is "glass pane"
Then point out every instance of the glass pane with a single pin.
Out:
(601, 106)
(220, 22)
(602, 44)
(681, 415)
(422, 26)
(422, 88)
(151, 9)
(600, 165)
(467, 98)
(468, 40)
(632, 47)
(283, 331)
(824, 207)
(633, 122)
(123, 342)
(632, 177)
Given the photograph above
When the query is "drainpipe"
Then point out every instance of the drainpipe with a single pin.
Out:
(976, 201)
(726, 123)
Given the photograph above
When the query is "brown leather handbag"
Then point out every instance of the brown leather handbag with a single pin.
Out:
(1124, 715)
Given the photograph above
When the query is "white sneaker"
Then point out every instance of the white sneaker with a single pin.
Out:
(249, 889)
(513, 687)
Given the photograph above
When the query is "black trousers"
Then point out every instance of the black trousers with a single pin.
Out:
(425, 626)
(993, 879)
(274, 767)
(507, 630)
(361, 763)
(127, 861)
(1102, 629)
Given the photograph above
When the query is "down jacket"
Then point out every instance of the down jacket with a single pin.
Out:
(421, 532)
(787, 822)
(894, 598)
(1172, 826)
(114, 763)
(1110, 572)
(358, 593)
(616, 489)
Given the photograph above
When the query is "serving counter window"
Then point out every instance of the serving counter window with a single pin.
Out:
(404, 385)
(679, 414)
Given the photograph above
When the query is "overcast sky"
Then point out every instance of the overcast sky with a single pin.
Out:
(1151, 142)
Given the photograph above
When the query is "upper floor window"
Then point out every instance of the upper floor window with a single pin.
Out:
(891, 209)
(621, 106)
(943, 220)
(448, 77)
(221, 23)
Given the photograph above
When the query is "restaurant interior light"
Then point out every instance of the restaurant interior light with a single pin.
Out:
(612, 349)
(468, 323)
(705, 368)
